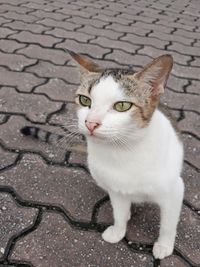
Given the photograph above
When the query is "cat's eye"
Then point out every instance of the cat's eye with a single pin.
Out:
(122, 106)
(85, 101)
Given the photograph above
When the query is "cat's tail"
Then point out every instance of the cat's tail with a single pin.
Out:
(40, 134)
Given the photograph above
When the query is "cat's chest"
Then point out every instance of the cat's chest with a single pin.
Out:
(123, 173)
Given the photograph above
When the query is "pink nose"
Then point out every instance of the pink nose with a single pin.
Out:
(91, 125)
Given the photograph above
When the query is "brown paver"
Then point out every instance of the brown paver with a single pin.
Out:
(37, 84)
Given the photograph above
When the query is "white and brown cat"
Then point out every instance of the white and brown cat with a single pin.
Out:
(134, 150)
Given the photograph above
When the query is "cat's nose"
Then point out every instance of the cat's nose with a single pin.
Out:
(91, 125)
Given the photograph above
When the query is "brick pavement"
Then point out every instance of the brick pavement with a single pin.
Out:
(51, 212)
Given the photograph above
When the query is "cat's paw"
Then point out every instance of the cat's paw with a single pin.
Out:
(161, 251)
(113, 234)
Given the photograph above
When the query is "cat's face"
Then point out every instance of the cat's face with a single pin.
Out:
(115, 105)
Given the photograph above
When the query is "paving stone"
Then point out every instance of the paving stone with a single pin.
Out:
(193, 88)
(132, 18)
(68, 12)
(183, 49)
(128, 59)
(57, 89)
(24, 17)
(36, 107)
(15, 62)
(190, 123)
(33, 27)
(51, 15)
(196, 62)
(128, 29)
(105, 18)
(93, 50)
(49, 70)
(5, 32)
(188, 236)
(177, 25)
(99, 32)
(95, 22)
(17, 9)
(192, 149)
(13, 139)
(54, 56)
(39, 5)
(9, 46)
(23, 81)
(192, 183)
(94, 11)
(6, 158)
(185, 71)
(4, 20)
(3, 118)
(79, 157)
(67, 118)
(173, 261)
(185, 101)
(154, 52)
(125, 46)
(28, 37)
(66, 25)
(13, 219)
(144, 41)
(67, 187)
(82, 37)
(67, 247)
(187, 34)
(154, 27)
(176, 84)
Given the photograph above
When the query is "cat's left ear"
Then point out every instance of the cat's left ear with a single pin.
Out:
(86, 63)
(156, 73)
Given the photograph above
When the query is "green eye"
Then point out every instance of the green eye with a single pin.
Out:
(85, 101)
(122, 106)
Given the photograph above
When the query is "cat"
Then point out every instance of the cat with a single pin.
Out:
(134, 152)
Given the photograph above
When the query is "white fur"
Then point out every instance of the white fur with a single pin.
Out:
(146, 169)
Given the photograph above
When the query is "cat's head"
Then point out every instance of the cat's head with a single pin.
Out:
(115, 104)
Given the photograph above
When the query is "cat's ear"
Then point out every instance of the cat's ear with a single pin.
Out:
(86, 63)
(156, 73)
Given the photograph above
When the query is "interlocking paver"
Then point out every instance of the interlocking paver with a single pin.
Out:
(5, 32)
(10, 46)
(15, 62)
(160, 44)
(13, 219)
(91, 49)
(35, 51)
(115, 44)
(37, 85)
(71, 248)
(67, 187)
(73, 35)
(34, 106)
(154, 52)
(59, 24)
(24, 82)
(6, 158)
(49, 70)
(31, 27)
(192, 183)
(28, 37)
(57, 89)
(13, 139)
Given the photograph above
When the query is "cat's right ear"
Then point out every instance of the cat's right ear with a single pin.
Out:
(85, 63)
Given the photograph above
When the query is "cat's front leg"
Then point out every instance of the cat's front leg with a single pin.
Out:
(121, 212)
(170, 207)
